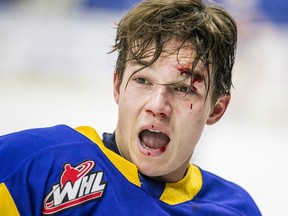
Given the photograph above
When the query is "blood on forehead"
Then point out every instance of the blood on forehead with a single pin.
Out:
(195, 75)
(184, 69)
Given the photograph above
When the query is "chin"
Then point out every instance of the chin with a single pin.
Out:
(154, 171)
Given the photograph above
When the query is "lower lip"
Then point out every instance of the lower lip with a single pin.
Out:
(151, 152)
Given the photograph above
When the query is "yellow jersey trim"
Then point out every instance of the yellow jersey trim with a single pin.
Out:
(7, 205)
(128, 169)
(185, 189)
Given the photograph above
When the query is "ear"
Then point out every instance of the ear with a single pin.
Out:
(218, 110)
(116, 88)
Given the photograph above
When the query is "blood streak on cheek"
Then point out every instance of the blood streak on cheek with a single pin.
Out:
(191, 106)
(196, 79)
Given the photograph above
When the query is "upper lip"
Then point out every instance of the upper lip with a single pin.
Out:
(155, 128)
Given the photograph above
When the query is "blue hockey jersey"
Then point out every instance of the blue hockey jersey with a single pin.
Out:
(62, 171)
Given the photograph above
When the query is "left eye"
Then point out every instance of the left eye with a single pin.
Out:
(184, 89)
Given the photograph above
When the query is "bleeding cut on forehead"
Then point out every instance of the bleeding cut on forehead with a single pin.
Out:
(163, 109)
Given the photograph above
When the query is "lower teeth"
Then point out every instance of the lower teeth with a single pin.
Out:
(147, 147)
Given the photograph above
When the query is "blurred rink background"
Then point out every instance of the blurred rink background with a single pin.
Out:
(54, 69)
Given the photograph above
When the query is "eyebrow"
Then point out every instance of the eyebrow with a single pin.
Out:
(189, 72)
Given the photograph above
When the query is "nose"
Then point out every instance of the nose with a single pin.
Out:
(158, 103)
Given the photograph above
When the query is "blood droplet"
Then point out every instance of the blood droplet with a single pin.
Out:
(163, 149)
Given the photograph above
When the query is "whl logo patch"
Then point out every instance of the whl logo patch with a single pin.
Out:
(77, 185)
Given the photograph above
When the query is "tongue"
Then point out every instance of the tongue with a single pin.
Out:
(153, 140)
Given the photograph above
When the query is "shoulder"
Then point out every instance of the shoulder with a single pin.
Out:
(226, 194)
(17, 147)
(34, 162)
(32, 136)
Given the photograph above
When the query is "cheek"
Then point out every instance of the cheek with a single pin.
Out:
(198, 109)
(194, 109)
(129, 106)
(129, 94)
(126, 99)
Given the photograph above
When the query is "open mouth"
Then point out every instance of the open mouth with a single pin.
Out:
(153, 140)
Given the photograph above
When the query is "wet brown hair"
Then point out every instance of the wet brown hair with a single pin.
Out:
(208, 28)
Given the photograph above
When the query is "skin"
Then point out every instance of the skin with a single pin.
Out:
(147, 100)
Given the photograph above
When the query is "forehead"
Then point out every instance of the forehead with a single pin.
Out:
(175, 53)
(184, 51)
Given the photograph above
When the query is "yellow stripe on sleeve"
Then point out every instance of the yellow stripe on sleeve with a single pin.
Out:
(7, 205)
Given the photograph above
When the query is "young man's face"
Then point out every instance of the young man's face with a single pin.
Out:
(162, 113)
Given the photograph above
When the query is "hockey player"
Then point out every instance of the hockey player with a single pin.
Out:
(172, 77)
